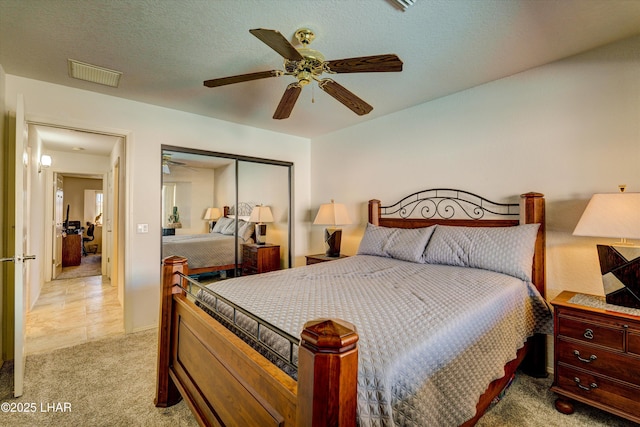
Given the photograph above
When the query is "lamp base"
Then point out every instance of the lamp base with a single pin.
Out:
(620, 267)
(332, 237)
(261, 234)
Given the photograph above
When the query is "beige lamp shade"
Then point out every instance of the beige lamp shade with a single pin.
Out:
(614, 215)
(332, 214)
(261, 214)
(212, 214)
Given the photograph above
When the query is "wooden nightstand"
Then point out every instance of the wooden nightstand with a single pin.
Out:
(258, 259)
(316, 258)
(596, 358)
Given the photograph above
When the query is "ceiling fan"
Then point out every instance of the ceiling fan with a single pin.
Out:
(166, 161)
(306, 65)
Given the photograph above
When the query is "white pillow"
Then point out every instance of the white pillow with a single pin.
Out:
(221, 224)
(230, 229)
(406, 244)
(507, 250)
(245, 229)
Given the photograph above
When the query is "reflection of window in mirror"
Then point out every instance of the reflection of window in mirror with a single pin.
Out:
(93, 207)
(168, 202)
(99, 205)
(176, 204)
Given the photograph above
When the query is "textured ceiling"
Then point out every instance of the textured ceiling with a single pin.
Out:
(167, 48)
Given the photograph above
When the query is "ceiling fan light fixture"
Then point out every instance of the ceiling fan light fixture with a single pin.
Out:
(93, 73)
(305, 36)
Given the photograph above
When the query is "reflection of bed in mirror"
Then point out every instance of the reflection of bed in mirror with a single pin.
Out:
(214, 251)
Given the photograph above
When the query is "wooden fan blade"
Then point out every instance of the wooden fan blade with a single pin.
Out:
(276, 41)
(288, 101)
(346, 97)
(366, 64)
(241, 78)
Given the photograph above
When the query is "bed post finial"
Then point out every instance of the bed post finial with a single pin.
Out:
(374, 211)
(167, 393)
(327, 374)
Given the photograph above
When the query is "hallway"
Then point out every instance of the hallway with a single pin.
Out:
(73, 311)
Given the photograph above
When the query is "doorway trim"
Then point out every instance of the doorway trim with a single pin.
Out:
(121, 204)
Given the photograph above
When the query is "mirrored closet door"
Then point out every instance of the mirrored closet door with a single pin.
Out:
(265, 187)
(228, 215)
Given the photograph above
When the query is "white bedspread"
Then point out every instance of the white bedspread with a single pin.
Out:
(432, 337)
(203, 250)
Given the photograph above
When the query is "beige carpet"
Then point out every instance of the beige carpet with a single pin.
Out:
(111, 382)
(90, 265)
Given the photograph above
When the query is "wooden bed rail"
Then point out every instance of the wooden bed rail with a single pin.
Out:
(197, 357)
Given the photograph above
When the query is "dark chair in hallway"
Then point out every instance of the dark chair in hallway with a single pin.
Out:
(89, 238)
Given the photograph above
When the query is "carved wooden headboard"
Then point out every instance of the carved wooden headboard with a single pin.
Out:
(447, 206)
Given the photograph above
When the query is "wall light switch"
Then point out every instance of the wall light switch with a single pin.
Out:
(143, 228)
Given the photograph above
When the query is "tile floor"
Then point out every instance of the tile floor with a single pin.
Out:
(73, 311)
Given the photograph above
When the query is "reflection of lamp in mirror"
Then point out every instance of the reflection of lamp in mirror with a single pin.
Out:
(332, 214)
(259, 215)
(616, 215)
(212, 214)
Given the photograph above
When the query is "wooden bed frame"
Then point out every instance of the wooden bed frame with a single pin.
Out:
(225, 382)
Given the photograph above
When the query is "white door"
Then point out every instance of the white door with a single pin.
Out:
(19, 257)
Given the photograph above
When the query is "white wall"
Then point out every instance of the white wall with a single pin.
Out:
(225, 186)
(146, 128)
(568, 130)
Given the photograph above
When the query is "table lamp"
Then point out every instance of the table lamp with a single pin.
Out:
(332, 214)
(616, 215)
(211, 215)
(259, 215)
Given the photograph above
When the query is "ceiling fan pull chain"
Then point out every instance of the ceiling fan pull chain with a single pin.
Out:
(313, 95)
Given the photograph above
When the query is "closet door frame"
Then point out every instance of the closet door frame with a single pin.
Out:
(241, 158)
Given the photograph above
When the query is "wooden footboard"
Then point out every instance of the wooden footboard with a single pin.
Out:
(225, 382)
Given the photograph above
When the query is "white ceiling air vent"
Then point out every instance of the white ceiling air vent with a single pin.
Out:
(403, 4)
(93, 73)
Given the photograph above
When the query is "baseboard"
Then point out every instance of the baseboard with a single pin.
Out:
(144, 328)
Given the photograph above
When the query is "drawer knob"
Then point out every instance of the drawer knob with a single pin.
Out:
(583, 387)
(582, 359)
(588, 334)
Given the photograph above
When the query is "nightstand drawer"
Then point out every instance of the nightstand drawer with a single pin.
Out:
(592, 333)
(249, 256)
(594, 388)
(257, 259)
(598, 360)
(596, 357)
